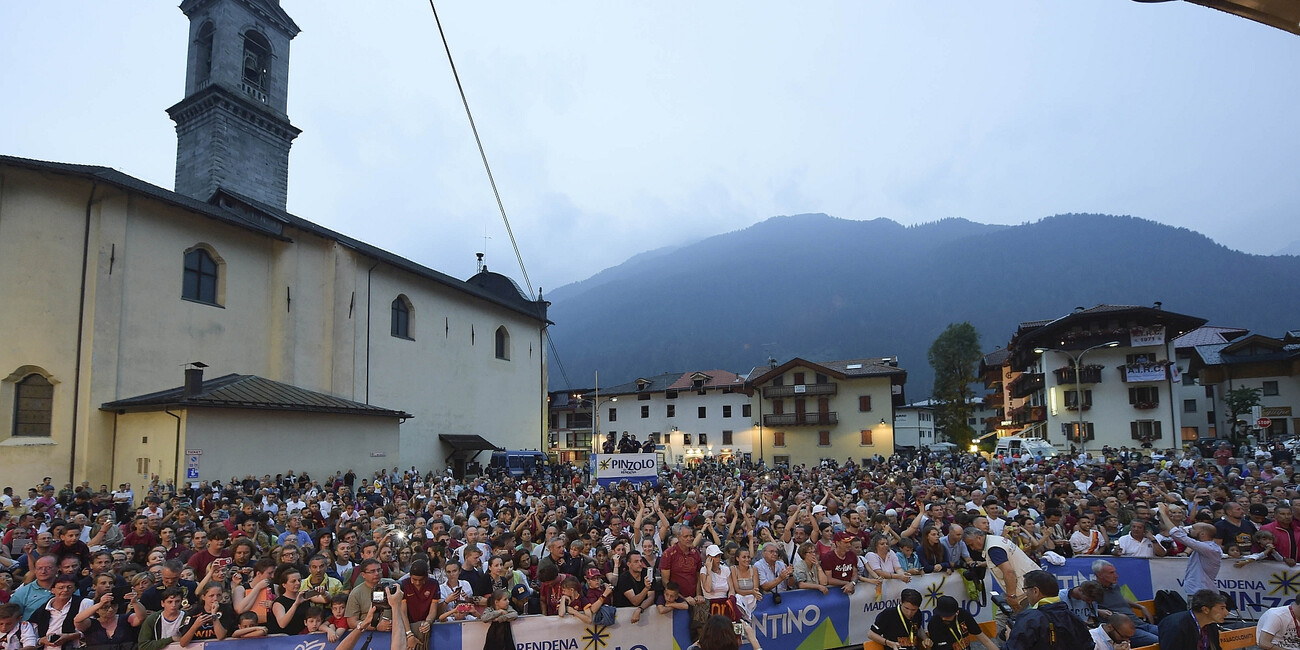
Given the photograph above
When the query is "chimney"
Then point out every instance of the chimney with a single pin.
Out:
(193, 379)
(481, 266)
(1157, 305)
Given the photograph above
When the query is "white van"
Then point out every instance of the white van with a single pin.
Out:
(1016, 446)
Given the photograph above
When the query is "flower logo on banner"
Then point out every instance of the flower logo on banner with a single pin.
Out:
(603, 465)
(1287, 583)
(933, 592)
(595, 638)
(311, 644)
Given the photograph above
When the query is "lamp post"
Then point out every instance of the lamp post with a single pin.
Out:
(1077, 360)
(595, 414)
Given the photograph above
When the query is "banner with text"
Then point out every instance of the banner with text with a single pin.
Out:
(634, 468)
(1254, 588)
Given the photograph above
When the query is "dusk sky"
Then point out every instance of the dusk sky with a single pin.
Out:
(614, 128)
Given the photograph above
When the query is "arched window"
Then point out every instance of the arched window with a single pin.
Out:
(401, 325)
(503, 343)
(201, 276)
(257, 60)
(203, 50)
(33, 406)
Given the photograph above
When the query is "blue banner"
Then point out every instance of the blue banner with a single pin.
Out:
(1134, 574)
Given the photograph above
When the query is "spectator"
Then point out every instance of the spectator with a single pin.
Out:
(1047, 623)
(1198, 627)
(1277, 628)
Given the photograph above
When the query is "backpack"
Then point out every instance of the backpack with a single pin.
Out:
(1168, 602)
(1066, 631)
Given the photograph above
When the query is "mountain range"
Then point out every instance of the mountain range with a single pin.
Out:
(823, 288)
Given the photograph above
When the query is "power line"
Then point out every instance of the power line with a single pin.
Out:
(492, 181)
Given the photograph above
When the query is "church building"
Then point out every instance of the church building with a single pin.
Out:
(206, 333)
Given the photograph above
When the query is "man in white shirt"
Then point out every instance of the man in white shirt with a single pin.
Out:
(1118, 629)
(1276, 628)
(1139, 542)
(295, 505)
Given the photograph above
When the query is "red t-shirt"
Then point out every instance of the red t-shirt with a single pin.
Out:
(839, 568)
(420, 601)
(551, 595)
(683, 567)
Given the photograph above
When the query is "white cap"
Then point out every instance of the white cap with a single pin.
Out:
(819, 508)
(712, 550)
(891, 513)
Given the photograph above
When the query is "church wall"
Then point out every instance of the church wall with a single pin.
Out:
(234, 443)
(449, 376)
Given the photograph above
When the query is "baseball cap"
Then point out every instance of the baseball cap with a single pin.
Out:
(593, 573)
(713, 550)
(819, 508)
(842, 536)
(519, 591)
(1259, 509)
(945, 606)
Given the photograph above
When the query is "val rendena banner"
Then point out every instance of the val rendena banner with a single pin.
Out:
(634, 468)
(1256, 587)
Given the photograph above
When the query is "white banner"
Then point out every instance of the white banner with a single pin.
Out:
(1139, 336)
(636, 468)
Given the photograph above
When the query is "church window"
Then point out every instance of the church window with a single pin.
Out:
(203, 49)
(33, 406)
(257, 60)
(201, 276)
(503, 343)
(401, 325)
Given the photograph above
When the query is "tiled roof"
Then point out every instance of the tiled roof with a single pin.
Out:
(717, 379)
(658, 383)
(1210, 353)
(996, 357)
(250, 392)
(1208, 335)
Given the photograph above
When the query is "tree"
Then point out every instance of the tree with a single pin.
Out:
(955, 355)
(1239, 401)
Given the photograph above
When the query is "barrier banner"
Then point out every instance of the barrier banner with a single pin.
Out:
(866, 606)
(634, 468)
(1254, 588)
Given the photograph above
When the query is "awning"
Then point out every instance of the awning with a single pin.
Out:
(466, 446)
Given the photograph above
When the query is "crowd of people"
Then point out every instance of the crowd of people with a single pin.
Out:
(401, 551)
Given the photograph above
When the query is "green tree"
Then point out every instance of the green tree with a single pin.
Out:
(1239, 402)
(955, 355)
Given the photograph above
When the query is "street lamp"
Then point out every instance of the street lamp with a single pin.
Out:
(595, 414)
(1077, 361)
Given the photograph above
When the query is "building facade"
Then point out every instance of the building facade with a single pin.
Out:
(1094, 377)
(1270, 365)
(826, 410)
(112, 284)
(690, 416)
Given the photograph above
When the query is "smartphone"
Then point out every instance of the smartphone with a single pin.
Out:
(738, 628)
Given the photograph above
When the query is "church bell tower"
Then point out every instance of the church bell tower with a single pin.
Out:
(232, 132)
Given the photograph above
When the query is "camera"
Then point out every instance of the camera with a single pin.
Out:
(776, 598)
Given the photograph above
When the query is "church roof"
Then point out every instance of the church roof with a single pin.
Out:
(242, 212)
(250, 392)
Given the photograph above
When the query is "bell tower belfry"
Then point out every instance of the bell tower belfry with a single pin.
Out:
(232, 131)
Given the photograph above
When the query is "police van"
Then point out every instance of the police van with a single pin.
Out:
(519, 463)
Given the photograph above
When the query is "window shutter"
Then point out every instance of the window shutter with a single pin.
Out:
(1133, 428)
(1155, 430)
(864, 402)
(1132, 396)
(866, 437)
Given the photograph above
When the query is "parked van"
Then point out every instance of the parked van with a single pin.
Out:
(519, 463)
(1016, 446)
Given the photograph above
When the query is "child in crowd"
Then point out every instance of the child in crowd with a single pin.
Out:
(1266, 541)
(314, 622)
(672, 599)
(248, 627)
(498, 615)
(338, 612)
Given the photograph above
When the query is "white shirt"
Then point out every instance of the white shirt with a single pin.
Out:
(171, 628)
(22, 636)
(996, 526)
(295, 506)
(1130, 547)
(466, 591)
(57, 616)
(1278, 622)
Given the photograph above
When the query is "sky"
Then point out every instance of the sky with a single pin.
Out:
(615, 128)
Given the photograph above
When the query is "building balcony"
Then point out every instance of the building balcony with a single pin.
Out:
(1027, 383)
(799, 390)
(1090, 374)
(800, 419)
(994, 400)
(1028, 415)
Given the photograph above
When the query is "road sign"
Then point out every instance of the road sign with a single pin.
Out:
(191, 473)
(1263, 423)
